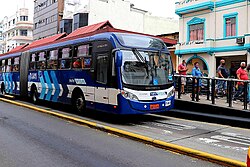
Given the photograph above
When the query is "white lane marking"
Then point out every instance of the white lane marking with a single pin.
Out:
(217, 143)
(152, 128)
(231, 140)
(167, 132)
(174, 126)
(208, 141)
(236, 135)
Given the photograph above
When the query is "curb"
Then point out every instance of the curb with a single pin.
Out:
(157, 143)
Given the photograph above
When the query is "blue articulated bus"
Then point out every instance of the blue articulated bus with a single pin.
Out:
(119, 73)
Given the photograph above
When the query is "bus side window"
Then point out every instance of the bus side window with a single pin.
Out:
(83, 58)
(32, 62)
(41, 63)
(9, 65)
(16, 64)
(3, 65)
(52, 59)
(65, 56)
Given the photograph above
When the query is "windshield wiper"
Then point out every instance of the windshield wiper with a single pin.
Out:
(138, 55)
(141, 59)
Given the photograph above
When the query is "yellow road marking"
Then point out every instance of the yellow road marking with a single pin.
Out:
(148, 140)
(9, 96)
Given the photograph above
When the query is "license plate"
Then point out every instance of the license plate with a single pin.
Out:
(154, 106)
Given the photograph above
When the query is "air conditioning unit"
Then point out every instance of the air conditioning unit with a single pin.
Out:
(199, 42)
(240, 41)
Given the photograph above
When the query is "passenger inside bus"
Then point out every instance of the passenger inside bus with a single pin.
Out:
(77, 63)
(42, 65)
(16, 68)
(52, 64)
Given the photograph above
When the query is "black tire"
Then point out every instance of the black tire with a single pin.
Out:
(34, 96)
(79, 103)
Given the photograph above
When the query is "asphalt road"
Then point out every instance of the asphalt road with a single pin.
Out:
(29, 138)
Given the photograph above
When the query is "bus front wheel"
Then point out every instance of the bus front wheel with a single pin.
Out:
(78, 102)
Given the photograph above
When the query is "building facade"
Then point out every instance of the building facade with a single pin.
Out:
(77, 13)
(17, 30)
(211, 30)
(1, 37)
(47, 16)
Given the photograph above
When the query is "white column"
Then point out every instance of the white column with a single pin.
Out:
(212, 66)
(248, 58)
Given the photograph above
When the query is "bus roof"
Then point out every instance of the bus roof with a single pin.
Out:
(83, 34)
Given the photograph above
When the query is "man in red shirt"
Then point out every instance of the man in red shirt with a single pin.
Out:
(182, 68)
(242, 75)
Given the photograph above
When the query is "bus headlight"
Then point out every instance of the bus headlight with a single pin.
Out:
(129, 95)
(171, 93)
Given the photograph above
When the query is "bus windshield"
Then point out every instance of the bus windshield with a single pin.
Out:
(138, 41)
(144, 68)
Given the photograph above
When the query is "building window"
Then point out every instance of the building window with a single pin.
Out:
(231, 27)
(196, 32)
(23, 18)
(196, 29)
(231, 24)
(23, 32)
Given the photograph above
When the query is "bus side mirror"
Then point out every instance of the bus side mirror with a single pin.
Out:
(118, 59)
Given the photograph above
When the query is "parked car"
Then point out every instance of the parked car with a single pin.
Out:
(248, 158)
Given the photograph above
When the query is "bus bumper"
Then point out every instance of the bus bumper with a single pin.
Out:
(127, 106)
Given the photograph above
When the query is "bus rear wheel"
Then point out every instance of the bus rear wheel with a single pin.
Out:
(79, 103)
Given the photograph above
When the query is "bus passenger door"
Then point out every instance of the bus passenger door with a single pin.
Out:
(101, 90)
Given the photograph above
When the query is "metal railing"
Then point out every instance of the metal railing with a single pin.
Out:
(209, 88)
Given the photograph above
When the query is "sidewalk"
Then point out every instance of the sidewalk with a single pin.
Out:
(220, 101)
(235, 115)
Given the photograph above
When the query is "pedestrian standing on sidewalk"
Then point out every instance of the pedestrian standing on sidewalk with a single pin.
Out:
(241, 75)
(196, 72)
(182, 68)
(222, 72)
